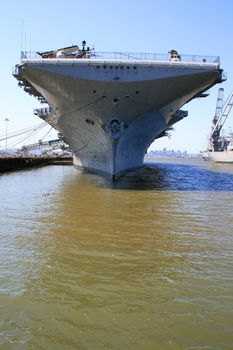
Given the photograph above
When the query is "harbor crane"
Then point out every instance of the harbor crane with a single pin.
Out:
(221, 113)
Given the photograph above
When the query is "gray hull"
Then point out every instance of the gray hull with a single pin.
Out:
(220, 157)
(111, 111)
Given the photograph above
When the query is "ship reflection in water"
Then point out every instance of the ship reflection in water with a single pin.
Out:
(144, 263)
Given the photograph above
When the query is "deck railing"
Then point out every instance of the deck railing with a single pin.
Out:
(138, 56)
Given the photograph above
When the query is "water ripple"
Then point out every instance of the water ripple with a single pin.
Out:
(143, 263)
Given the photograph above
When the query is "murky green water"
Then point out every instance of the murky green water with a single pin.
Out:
(146, 263)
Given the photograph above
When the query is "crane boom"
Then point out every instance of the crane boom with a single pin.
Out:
(227, 109)
(219, 105)
(221, 115)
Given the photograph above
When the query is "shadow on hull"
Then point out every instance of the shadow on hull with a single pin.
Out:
(170, 177)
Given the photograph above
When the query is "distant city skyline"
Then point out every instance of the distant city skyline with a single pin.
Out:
(169, 153)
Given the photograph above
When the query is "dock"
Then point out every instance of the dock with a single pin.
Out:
(20, 162)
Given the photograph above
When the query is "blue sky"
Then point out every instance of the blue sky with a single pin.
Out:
(191, 27)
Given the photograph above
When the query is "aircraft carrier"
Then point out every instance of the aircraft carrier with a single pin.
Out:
(111, 106)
